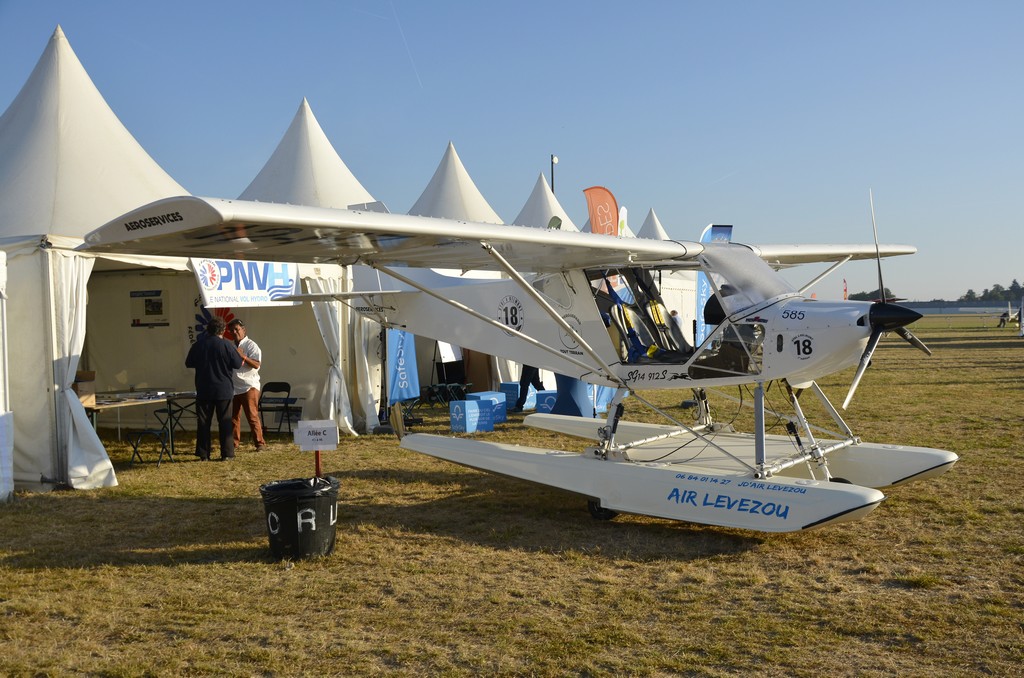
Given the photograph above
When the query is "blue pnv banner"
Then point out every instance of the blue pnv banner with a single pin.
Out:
(403, 379)
(235, 283)
(712, 233)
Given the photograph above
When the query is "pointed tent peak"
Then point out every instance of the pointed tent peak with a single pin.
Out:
(67, 164)
(451, 194)
(652, 228)
(306, 170)
(541, 206)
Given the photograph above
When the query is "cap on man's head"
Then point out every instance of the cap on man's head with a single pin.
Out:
(236, 323)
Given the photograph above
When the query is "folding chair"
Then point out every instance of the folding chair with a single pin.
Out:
(135, 440)
(435, 394)
(277, 403)
(457, 391)
(179, 406)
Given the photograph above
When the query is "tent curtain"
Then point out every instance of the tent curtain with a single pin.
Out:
(335, 402)
(366, 343)
(6, 417)
(81, 459)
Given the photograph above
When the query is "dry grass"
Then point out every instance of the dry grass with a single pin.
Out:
(441, 569)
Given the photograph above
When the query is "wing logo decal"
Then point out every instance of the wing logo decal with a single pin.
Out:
(567, 339)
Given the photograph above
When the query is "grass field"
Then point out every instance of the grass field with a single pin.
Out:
(442, 570)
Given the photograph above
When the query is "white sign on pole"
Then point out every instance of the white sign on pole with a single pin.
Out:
(316, 434)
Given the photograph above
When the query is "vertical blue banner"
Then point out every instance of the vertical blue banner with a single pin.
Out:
(711, 233)
(403, 379)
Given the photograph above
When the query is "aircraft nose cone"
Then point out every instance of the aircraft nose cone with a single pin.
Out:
(886, 316)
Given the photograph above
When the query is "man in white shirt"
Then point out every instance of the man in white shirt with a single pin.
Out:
(247, 386)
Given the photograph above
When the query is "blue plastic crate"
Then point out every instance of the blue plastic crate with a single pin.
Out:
(546, 400)
(498, 400)
(470, 416)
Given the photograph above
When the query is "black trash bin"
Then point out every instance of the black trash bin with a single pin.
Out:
(301, 516)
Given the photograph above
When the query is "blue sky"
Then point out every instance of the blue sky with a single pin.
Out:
(776, 117)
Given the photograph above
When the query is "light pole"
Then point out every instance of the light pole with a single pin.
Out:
(554, 161)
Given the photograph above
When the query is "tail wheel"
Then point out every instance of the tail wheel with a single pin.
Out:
(598, 511)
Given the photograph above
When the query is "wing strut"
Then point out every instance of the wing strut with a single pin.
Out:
(559, 320)
(815, 448)
(491, 321)
(759, 440)
(831, 268)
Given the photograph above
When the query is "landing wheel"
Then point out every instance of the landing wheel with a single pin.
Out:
(598, 511)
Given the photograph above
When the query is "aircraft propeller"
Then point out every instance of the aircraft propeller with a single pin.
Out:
(883, 317)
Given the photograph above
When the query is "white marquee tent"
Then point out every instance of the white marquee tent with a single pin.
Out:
(67, 165)
(451, 194)
(306, 170)
(541, 206)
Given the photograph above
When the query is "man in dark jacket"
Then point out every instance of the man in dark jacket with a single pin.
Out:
(528, 376)
(215, 360)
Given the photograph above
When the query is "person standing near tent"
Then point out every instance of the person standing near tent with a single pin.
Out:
(529, 376)
(247, 386)
(215, 360)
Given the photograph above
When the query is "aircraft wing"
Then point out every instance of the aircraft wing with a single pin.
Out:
(780, 256)
(237, 229)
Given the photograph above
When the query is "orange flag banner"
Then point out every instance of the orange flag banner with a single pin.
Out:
(604, 211)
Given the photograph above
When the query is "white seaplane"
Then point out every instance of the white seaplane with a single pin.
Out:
(559, 310)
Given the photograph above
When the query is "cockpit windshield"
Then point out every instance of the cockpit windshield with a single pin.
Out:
(742, 277)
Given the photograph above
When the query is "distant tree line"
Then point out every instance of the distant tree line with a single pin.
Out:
(1012, 293)
(872, 296)
(997, 293)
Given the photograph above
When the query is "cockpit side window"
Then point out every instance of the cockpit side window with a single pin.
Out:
(554, 289)
(733, 350)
